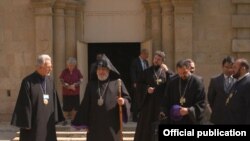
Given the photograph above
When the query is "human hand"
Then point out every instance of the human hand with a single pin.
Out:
(72, 87)
(162, 116)
(134, 85)
(120, 101)
(164, 66)
(151, 90)
(183, 111)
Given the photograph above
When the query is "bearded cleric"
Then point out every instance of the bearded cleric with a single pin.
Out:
(99, 110)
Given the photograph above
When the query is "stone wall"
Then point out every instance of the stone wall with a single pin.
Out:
(16, 50)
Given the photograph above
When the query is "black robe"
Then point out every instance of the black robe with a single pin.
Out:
(102, 121)
(194, 95)
(31, 113)
(149, 104)
(237, 109)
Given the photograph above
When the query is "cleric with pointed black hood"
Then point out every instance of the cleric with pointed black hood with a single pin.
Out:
(99, 110)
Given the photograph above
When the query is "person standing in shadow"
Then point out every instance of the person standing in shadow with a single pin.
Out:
(138, 65)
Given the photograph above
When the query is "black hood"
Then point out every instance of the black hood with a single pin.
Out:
(105, 62)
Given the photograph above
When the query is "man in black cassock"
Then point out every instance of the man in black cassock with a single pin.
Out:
(187, 91)
(238, 101)
(99, 110)
(151, 86)
(37, 108)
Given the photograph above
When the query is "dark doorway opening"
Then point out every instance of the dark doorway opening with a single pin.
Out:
(120, 54)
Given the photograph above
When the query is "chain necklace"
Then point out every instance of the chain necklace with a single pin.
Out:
(100, 101)
(233, 91)
(182, 96)
(45, 95)
(158, 80)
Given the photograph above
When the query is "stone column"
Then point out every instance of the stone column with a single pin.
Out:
(183, 28)
(168, 32)
(148, 19)
(70, 30)
(59, 42)
(79, 22)
(156, 30)
(43, 27)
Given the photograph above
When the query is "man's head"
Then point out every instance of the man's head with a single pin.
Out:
(144, 54)
(159, 58)
(99, 56)
(227, 65)
(71, 63)
(192, 65)
(44, 64)
(183, 69)
(240, 67)
(102, 70)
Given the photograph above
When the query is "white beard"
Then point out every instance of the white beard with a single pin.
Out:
(103, 77)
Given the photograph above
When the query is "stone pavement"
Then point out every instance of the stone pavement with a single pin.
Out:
(7, 132)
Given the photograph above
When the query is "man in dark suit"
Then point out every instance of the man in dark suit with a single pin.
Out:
(138, 65)
(218, 91)
(238, 101)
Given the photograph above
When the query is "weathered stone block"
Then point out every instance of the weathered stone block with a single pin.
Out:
(240, 45)
(241, 21)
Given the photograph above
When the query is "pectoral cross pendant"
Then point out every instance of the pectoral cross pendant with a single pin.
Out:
(182, 100)
(158, 81)
(100, 101)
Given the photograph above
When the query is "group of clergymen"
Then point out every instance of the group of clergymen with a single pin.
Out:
(159, 95)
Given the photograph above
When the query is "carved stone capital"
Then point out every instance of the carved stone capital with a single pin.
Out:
(42, 3)
(42, 7)
(183, 6)
(167, 7)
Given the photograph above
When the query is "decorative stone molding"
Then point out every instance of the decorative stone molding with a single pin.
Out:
(241, 24)
(183, 6)
(167, 7)
(43, 7)
(155, 7)
(240, 1)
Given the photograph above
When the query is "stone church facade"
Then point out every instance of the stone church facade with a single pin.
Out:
(204, 30)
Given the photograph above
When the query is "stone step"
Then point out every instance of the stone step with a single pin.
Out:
(129, 126)
(83, 134)
(68, 133)
(77, 139)
(70, 128)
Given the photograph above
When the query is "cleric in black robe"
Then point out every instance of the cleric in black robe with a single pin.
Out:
(184, 99)
(37, 108)
(238, 101)
(151, 87)
(99, 110)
